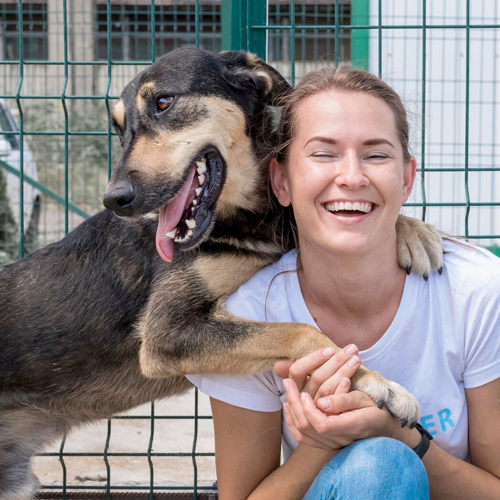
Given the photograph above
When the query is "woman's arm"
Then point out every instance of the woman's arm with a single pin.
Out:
(451, 478)
(247, 457)
(248, 443)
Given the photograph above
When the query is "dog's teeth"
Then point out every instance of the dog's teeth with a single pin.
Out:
(189, 234)
(194, 202)
(201, 179)
(190, 223)
(198, 191)
(171, 234)
(193, 210)
(202, 167)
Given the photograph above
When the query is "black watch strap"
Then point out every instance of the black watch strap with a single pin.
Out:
(422, 448)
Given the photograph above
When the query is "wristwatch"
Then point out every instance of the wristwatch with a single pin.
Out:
(422, 448)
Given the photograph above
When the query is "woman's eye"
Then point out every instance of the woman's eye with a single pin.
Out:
(378, 156)
(323, 155)
(163, 103)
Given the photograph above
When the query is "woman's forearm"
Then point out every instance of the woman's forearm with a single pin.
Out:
(453, 479)
(292, 480)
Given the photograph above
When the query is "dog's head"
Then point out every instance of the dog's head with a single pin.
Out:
(188, 127)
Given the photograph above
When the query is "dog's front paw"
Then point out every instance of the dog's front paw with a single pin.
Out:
(400, 403)
(420, 246)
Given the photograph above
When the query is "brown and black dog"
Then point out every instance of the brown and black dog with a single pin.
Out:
(99, 323)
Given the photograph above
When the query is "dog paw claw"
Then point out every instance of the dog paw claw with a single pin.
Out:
(400, 403)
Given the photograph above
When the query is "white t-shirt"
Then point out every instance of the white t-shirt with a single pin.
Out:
(444, 338)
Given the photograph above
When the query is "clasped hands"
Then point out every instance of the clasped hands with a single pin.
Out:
(321, 412)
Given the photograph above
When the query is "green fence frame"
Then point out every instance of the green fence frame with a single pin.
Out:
(244, 26)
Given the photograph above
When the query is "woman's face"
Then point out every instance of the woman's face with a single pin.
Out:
(346, 178)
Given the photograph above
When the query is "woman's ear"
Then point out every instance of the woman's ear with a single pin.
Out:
(410, 171)
(279, 182)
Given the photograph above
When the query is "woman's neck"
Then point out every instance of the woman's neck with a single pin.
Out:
(352, 298)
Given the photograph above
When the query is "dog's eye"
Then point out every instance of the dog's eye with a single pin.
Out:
(163, 103)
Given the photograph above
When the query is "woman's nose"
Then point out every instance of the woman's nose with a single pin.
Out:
(351, 173)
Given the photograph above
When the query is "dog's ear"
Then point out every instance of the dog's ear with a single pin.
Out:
(244, 69)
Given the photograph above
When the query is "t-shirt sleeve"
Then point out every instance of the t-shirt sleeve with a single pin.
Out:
(482, 341)
(254, 392)
(260, 392)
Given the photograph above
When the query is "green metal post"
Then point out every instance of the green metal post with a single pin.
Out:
(21, 129)
(239, 19)
(360, 12)
(233, 24)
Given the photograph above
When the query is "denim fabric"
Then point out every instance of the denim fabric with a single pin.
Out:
(372, 469)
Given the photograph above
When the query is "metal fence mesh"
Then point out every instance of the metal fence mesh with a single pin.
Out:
(64, 64)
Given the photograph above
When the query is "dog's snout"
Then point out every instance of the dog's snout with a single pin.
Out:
(120, 198)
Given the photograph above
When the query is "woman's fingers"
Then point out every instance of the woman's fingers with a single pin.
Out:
(299, 436)
(300, 370)
(282, 368)
(344, 401)
(326, 379)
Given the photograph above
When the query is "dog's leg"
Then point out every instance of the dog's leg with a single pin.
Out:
(17, 481)
(212, 340)
(420, 246)
(23, 433)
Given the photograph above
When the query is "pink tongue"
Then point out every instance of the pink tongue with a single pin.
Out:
(169, 217)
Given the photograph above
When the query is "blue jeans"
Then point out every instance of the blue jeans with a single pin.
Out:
(372, 469)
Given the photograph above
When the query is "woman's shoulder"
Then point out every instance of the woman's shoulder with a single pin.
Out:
(264, 296)
(470, 267)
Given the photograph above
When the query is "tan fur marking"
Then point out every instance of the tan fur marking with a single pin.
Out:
(224, 274)
(224, 126)
(267, 79)
(252, 59)
(143, 94)
(268, 343)
(119, 114)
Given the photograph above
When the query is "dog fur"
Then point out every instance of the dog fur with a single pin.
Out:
(98, 323)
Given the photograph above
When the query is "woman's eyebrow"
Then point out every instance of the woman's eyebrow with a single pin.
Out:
(369, 142)
(376, 142)
(318, 138)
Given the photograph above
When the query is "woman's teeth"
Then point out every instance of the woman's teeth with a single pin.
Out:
(348, 205)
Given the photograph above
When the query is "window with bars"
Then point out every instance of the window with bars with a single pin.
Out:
(174, 26)
(312, 42)
(34, 26)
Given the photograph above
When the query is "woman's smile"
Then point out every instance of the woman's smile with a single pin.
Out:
(349, 211)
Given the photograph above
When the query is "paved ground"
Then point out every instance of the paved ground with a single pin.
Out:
(133, 436)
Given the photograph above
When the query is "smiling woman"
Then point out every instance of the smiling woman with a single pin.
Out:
(343, 172)
(345, 151)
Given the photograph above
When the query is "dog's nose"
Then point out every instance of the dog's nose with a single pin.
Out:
(120, 197)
